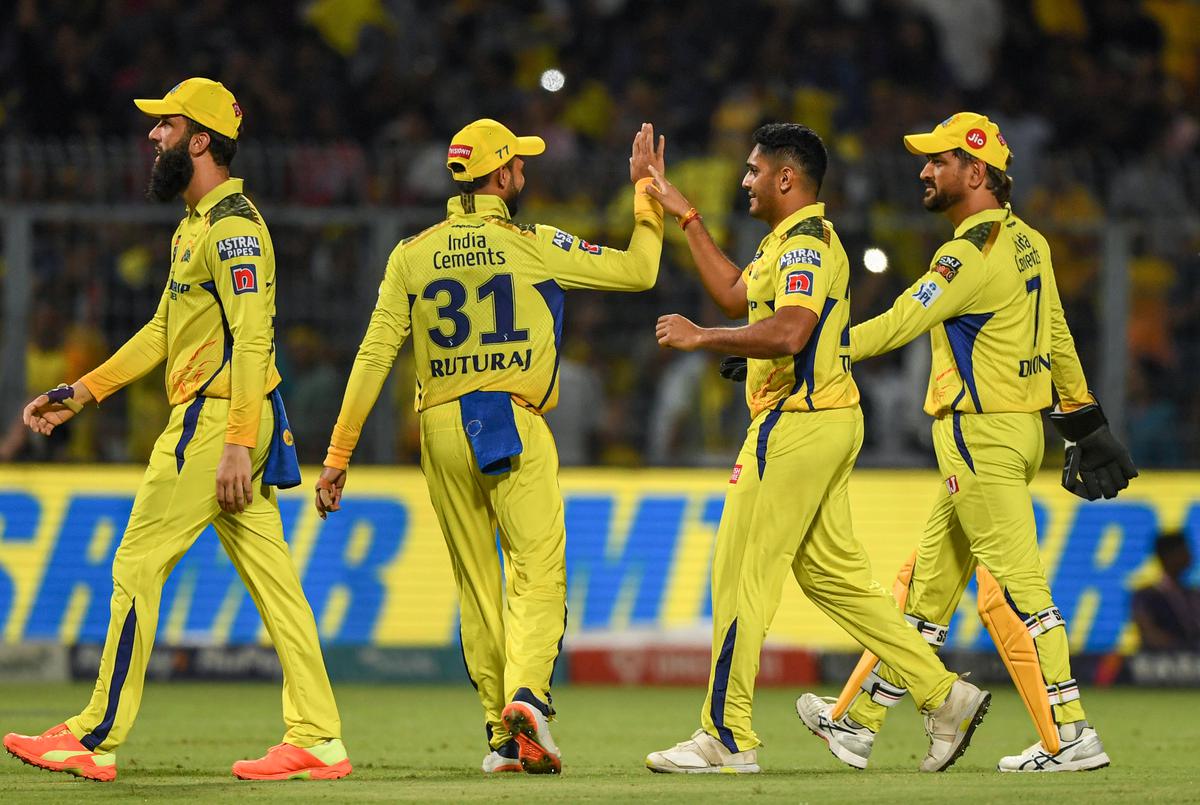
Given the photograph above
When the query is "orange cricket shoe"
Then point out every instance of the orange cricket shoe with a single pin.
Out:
(325, 761)
(57, 749)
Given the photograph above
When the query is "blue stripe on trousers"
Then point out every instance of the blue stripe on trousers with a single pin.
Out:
(764, 433)
(120, 671)
(190, 417)
(961, 442)
(721, 685)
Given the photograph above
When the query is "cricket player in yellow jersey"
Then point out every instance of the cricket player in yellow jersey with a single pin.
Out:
(787, 508)
(226, 445)
(482, 298)
(1000, 343)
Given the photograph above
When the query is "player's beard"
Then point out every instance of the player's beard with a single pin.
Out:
(941, 200)
(513, 203)
(171, 174)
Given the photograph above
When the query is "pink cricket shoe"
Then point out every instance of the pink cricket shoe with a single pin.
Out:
(57, 749)
(325, 761)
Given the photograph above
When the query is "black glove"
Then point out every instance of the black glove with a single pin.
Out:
(1096, 465)
(734, 368)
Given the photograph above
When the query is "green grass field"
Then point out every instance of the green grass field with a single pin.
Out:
(424, 744)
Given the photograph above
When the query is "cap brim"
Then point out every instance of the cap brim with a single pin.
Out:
(929, 143)
(530, 146)
(156, 107)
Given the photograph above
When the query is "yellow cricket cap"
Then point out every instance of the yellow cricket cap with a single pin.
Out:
(481, 147)
(971, 132)
(203, 100)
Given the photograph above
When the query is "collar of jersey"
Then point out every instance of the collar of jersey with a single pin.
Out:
(223, 190)
(817, 208)
(485, 204)
(981, 217)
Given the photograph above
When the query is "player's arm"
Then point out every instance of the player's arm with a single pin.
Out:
(574, 263)
(240, 272)
(1096, 463)
(950, 287)
(1065, 369)
(722, 279)
(801, 288)
(137, 356)
(387, 331)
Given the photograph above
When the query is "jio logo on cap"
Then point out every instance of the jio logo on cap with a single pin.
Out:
(976, 138)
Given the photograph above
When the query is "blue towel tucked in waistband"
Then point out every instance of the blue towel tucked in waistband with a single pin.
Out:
(283, 468)
(487, 418)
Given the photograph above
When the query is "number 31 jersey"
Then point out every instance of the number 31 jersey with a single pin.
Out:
(482, 298)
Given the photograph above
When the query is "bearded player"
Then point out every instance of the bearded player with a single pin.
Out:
(1001, 349)
(225, 448)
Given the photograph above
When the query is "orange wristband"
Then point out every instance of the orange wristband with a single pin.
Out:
(691, 215)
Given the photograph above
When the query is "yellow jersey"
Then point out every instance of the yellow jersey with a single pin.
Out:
(996, 324)
(482, 298)
(801, 262)
(215, 322)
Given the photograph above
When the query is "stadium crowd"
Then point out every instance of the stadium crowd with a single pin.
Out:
(349, 104)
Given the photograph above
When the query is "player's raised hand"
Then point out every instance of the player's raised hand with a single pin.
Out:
(667, 194)
(677, 332)
(329, 491)
(47, 411)
(645, 155)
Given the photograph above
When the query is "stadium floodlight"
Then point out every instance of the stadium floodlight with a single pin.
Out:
(875, 260)
(553, 80)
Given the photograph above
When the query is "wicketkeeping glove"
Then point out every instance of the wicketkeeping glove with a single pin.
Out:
(1096, 465)
(734, 368)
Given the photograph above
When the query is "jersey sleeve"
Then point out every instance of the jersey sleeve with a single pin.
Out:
(390, 326)
(803, 274)
(1065, 369)
(240, 272)
(575, 263)
(950, 287)
(137, 356)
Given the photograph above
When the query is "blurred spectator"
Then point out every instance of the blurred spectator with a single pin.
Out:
(1167, 614)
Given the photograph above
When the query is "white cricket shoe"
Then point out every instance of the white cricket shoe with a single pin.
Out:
(849, 743)
(951, 725)
(702, 754)
(506, 758)
(1079, 750)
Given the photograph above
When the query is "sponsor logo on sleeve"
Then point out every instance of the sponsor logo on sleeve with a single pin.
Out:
(590, 248)
(808, 257)
(737, 473)
(952, 484)
(927, 293)
(563, 241)
(800, 282)
(459, 152)
(245, 278)
(240, 246)
(948, 267)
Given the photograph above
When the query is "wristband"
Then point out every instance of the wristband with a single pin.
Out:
(691, 215)
(64, 395)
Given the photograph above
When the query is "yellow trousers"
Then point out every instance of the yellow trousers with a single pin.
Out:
(512, 616)
(788, 509)
(984, 513)
(176, 500)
